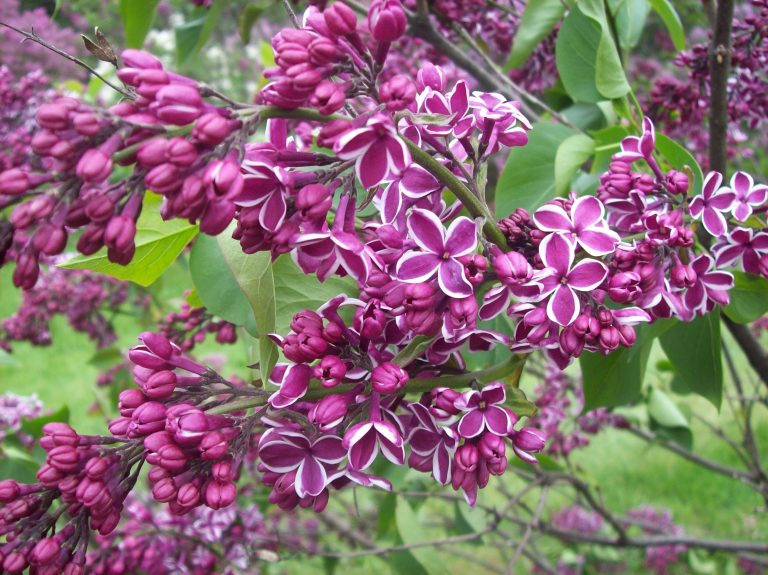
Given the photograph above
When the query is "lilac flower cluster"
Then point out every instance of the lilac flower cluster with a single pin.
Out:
(654, 521)
(15, 408)
(32, 58)
(681, 106)
(83, 297)
(204, 541)
(191, 325)
(560, 400)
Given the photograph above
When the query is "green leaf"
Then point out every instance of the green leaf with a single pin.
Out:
(571, 155)
(253, 274)
(587, 58)
(528, 179)
(539, 19)
(216, 286)
(576, 56)
(664, 411)
(669, 15)
(411, 531)
(158, 244)
(630, 17)
(297, 291)
(137, 16)
(585, 115)
(248, 17)
(617, 378)
(694, 348)
(192, 36)
(680, 159)
(749, 298)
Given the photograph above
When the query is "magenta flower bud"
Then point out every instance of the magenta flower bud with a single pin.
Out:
(188, 495)
(529, 439)
(682, 275)
(340, 19)
(386, 20)
(99, 208)
(164, 490)
(57, 433)
(213, 445)
(330, 371)
(492, 446)
(152, 152)
(511, 267)
(218, 495)
(96, 467)
(329, 411)
(158, 344)
(154, 441)
(677, 182)
(313, 202)
(217, 216)
(464, 310)
(129, 400)
(179, 104)
(610, 338)
(322, 51)
(307, 321)
(140, 59)
(444, 399)
(430, 76)
(163, 178)
(624, 287)
(49, 476)
(304, 348)
(628, 335)
(43, 141)
(160, 385)
(223, 471)
(15, 562)
(147, 82)
(53, 116)
(27, 271)
(9, 491)
(328, 97)
(467, 457)
(212, 129)
(87, 124)
(14, 182)
(225, 178)
(45, 551)
(50, 239)
(119, 233)
(571, 341)
(171, 458)
(388, 378)
(181, 152)
(190, 428)
(398, 93)
(119, 426)
(65, 458)
(372, 323)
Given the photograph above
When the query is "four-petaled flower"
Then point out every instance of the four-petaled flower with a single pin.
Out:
(440, 250)
(710, 286)
(432, 445)
(283, 451)
(484, 411)
(742, 246)
(364, 441)
(557, 253)
(380, 154)
(711, 203)
(748, 195)
(584, 222)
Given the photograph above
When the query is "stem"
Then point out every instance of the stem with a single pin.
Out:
(473, 204)
(719, 68)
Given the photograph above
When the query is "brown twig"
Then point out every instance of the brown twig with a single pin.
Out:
(38, 40)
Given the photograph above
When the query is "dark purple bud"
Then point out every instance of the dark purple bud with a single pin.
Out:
(213, 445)
(340, 19)
(388, 378)
(467, 457)
(492, 446)
(50, 239)
(329, 411)
(14, 182)
(218, 495)
(682, 275)
(45, 551)
(328, 97)
(313, 202)
(330, 371)
(529, 439)
(9, 491)
(398, 93)
(386, 20)
(624, 287)
(444, 399)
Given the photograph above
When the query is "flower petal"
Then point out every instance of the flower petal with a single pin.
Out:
(461, 237)
(563, 306)
(472, 424)
(557, 252)
(311, 478)
(427, 231)
(417, 267)
(552, 218)
(587, 275)
(586, 211)
(450, 277)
